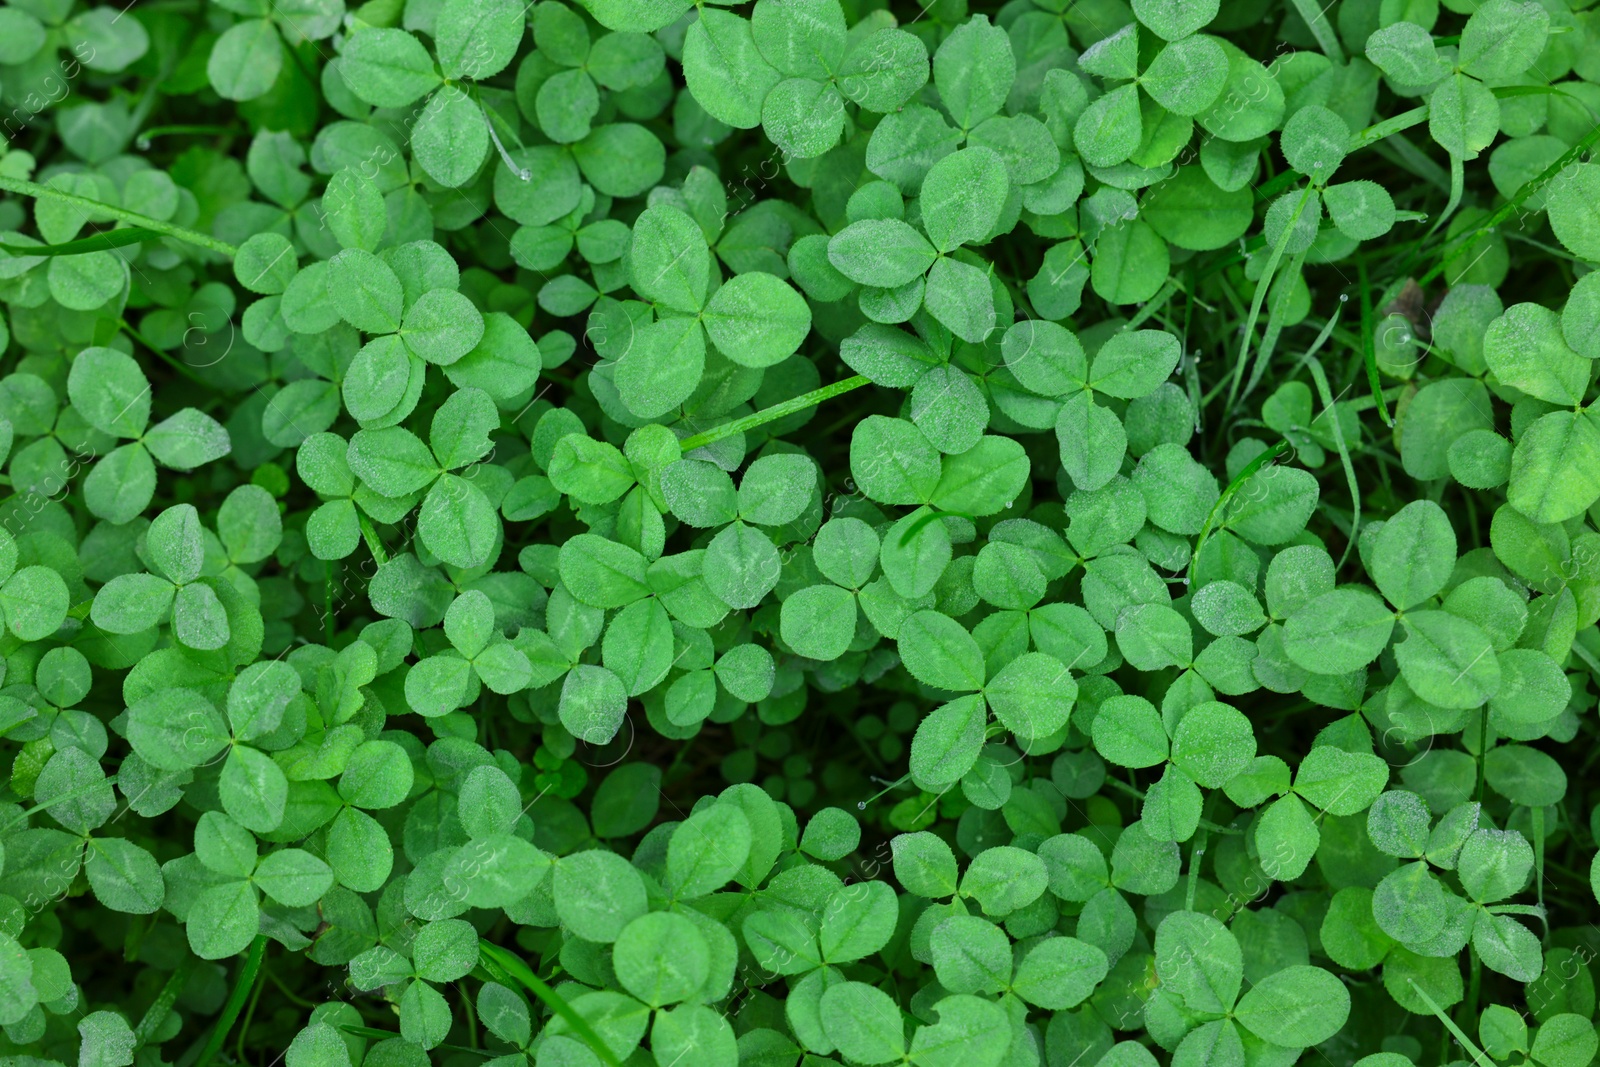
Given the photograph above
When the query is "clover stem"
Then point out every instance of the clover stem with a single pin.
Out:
(773, 413)
(370, 536)
(373, 1031)
(1197, 853)
(166, 229)
(242, 986)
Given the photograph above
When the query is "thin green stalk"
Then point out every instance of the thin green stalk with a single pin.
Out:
(373, 1031)
(1538, 864)
(1369, 351)
(166, 357)
(775, 412)
(1528, 188)
(370, 535)
(327, 622)
(161, 1007)
(243, 983)
(1485, 733)
(1269, 189)
(1403, 152)
(62, 799)
(250, 1013)
(143, 141)
(166, 229)
(1275, 317)
(1367, 403)
(288, 994)
(1263, 285)
(1316, 17)
(1266, 456)
(472, 1016)
(95, 242)
(1455, 1031)
(1153, 305)
(927, 518)
(1388, 127)
(1594, 669)
(1458, 185)
(1197, 853)
(507, 968)
(1325, 394)
(1469, 1007)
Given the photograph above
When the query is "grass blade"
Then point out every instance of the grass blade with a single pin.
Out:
(96, 242)
(165, 229)
(772, 414)
(243, 982)
(508, 969)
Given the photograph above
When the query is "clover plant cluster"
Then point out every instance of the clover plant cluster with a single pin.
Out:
(639, 533)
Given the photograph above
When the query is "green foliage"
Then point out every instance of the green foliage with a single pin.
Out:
(813, 532)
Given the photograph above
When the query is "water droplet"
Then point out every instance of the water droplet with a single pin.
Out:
(1008, 504)
(861, 805)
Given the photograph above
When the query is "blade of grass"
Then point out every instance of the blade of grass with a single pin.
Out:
(1458, 185)
(1466, 239)
(1325, 394)
(927, 519)
(373, 1031)
(1455, 1031)
(97, 242)
(1401, 151)
(772, 414)
(166, 229)
(1538, 866)
(1369, 351)
(161, 1007)
(1316, 17)
(1275, 317)
(243, 983)
(1153, 305)
(71, 794)
(1389, 127)
(1266, 456)
(1263, 284)
(508, 969)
